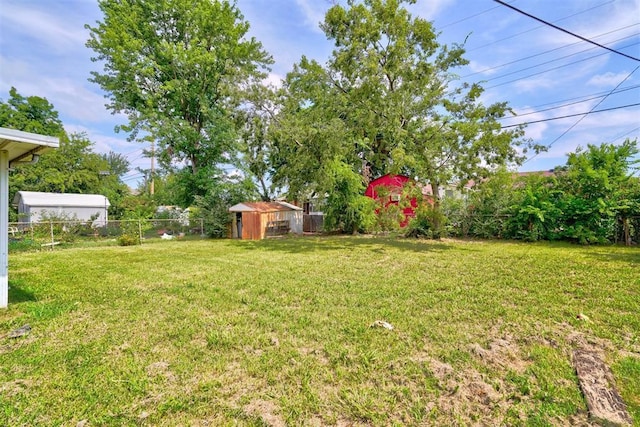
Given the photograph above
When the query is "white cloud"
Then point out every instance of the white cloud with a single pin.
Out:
(44, 27)
(313, 12)
(607, 79)
(534, 84)
(105, 143)
(71, 96)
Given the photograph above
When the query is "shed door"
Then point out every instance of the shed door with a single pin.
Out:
(239, 225)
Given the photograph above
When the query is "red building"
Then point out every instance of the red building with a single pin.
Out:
(394, 185)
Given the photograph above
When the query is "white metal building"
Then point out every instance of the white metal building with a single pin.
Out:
(15, 147)
(33, 206)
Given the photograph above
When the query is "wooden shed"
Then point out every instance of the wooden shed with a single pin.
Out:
(257, 220)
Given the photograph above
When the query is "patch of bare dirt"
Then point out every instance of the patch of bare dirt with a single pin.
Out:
(267, 411)
(161, 369)
(14, 387)
(315, 353)
(470, 397)
(501, 353)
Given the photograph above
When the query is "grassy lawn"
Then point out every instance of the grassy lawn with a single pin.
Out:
(278, 332)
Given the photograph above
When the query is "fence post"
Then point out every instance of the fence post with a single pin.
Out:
(140, 230)
(201, 227)
(52, 237)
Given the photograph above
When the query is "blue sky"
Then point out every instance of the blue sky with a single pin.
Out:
(543, 73)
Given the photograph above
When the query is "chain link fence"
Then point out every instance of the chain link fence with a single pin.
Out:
(55, 234)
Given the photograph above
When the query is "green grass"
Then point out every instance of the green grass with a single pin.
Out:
(278, 332)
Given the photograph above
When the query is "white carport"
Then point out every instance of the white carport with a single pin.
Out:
(15, 147)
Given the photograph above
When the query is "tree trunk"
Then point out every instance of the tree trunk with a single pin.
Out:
(435, 205)
(194, 166)
(627, 231)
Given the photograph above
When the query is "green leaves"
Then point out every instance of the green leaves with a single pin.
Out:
(380, 105)
(177, 69)
(30, 114)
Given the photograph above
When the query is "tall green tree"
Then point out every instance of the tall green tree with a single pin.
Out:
(30, 114)
(255, 121)
(388, 97)
(177, 69)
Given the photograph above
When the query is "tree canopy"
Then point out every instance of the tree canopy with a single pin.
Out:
(30, 114)
(387, 101)
(177, 69)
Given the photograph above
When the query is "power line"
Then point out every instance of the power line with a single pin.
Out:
(555, 49)
(573, 115)
(625, 134)
(131, 178)
(571, 103)
(558, 59)
(565, 31)
(469, 17)
(549, 69)
(586, 114)
(590, 94)
(540, 26)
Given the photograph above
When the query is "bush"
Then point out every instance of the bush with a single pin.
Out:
(128, 240)
(131, 230)
(428, 222)
(346, 209)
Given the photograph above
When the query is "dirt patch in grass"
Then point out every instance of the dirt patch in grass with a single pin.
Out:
(501, 353)
(267, 411)
(470, 396)
(15, 387)
(466, 395)
(161, 369)
(319, 355)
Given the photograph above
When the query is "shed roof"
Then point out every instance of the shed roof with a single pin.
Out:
(36, 198)
(264, 207)
(23, 145)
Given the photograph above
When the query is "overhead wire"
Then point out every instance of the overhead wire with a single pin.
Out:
(593, 110)
(590, 94)
(539, 26)
(552, 69)
(625, 134)
(561, 58)
(581, 99)
(469, 17)
(565, 30)
(569, 104)
(556, 49)
(586, 113)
